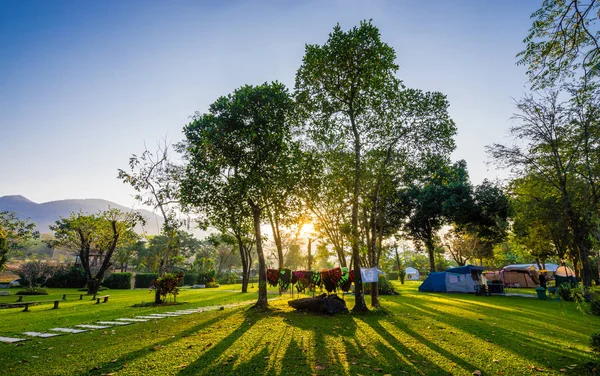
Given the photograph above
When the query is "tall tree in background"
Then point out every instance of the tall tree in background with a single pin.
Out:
(222, 206)
(415, 127)
(430, 203)
(563, 41)
(13, 234)
(340, 86)
(558, 144)
(95, 238)
(244, 143)
(156, 179)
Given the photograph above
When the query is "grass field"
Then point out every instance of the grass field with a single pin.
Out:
(415, 334)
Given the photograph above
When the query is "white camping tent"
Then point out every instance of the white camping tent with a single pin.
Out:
(412, 274)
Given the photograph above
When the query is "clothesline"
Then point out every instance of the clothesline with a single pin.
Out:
(331, 279)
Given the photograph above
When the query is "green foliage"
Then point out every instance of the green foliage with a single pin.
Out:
(144, 280)
(241, 155)
(562, 42)
(13, 234)
(32, 291)
(167, 285)
(189, 279)
(401, 274)
(118, 281)
(68, 276)
(595, 342)
(100, 233)
(228, 278)
(211, 284)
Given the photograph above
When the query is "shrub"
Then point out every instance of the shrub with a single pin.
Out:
(228, 278)
(36, 273)
(393, 276)
(206, 277)
(167, 285)
(189, 279)
(564, 291)
(384, 286)
(118, 281)
(595, 307)
(212, 284)
(69, 276)
(144, 280)
(595, 342)
(33, 291)
(402, 274)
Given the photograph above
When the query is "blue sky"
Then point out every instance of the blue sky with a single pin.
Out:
(83, 84)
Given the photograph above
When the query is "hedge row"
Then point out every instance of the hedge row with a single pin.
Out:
(144, 280)
(70, 277)
(118, 281)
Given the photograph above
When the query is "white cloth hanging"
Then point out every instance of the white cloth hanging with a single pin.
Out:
(369, 275)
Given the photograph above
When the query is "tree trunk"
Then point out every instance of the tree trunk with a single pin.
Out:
(309, 254)
(262, 270)
(93, 285)
(276, 237)
(245, 266)
(359, 299)
(430, 250)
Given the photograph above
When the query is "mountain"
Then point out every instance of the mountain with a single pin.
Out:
(45, 214)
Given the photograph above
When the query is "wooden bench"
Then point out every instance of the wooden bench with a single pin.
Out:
(104, 297)
(27, 304)
(80, 296)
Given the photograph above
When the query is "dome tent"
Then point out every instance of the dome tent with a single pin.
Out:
(412, 274)
(460, 279)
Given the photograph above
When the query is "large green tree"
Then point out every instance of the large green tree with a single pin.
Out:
(244, 144)
(432, 201)
(13, 234)
(95, 238)
(559, 145)
(342, 86)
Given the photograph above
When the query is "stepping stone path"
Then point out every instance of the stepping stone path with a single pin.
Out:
(42, 335)
(93, 326)
(133, 320)
(68, 330)
(11, 340)
(120, 321)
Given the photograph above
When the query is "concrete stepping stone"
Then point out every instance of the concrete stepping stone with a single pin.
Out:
(132, 320)
(151, 317)
(113, 323)
(161, 315)
(41, 334)
(93, 326)
(68, 330)
(172, 313)
(11, 339)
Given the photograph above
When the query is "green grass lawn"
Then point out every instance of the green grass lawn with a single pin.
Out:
(415, 334)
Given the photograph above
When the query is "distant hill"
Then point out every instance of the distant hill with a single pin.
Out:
(45, 214)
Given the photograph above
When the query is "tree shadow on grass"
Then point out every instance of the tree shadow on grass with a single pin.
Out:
(118, 364)
(510, 340)
(411, 361)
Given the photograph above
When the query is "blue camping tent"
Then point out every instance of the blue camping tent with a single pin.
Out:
(460, 279)
(435, 282)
